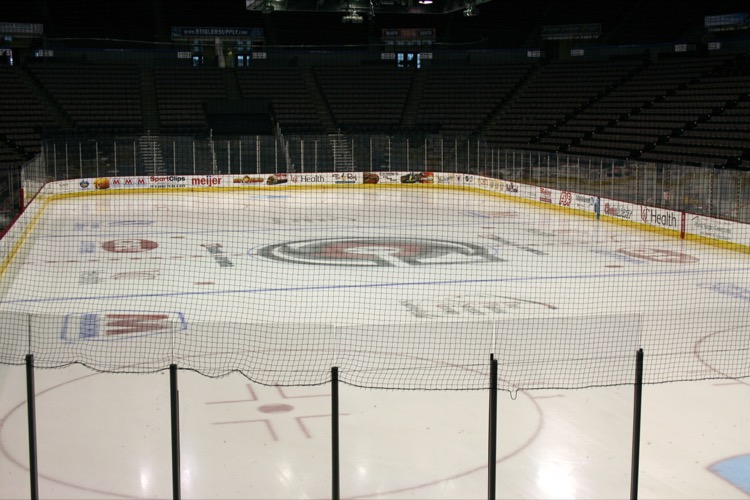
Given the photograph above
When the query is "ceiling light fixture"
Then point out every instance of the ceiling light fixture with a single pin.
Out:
(471, 9)
(352, 16)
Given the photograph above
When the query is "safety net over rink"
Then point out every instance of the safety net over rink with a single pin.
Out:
(401, 280)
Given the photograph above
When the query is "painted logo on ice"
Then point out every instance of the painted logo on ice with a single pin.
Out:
(369, 252)
(114, 325)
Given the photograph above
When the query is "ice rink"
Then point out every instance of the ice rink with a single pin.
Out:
(390, 256)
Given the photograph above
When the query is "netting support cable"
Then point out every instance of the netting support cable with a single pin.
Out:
(174, 396)
(636, 450)
(492, 439)
(29, 350)
(31, 410)
(494, 338)
(335, 470)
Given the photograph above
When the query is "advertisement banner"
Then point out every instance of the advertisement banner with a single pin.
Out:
(309, 179)
(120, 182)
(512, 188)
(680, 222)
(547, 195)
(700, 225)
(382, 177)
(579, 201)
(620, 210)
(661, 218)
(168, 181)
(324, 178)
(418, 178)
(529, 192)
(208, 181)
(277, 179)
(347, 178)
(488, 183)
(448, 179)
(248, 180)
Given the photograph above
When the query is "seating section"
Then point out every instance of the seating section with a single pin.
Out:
(553, 97)
(24, 118)
(101, 98)
(284, 88)
(719, 136)
(721, 133)
(667, 111)
(657, 109)
(365, 98)
(181, 95)
(458, 99)
(681, 110)
(10, 155)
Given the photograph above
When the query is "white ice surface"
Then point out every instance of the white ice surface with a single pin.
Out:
(107, 436)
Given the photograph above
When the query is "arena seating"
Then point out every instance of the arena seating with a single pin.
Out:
(637, 115)
(630, 110)
(458, 99)
(721, 133)
(24, 117)
(672, 98)
(551, 98)
(284, 88)
(691, 110)
(95, 97)
(365, 98)
(181, 94)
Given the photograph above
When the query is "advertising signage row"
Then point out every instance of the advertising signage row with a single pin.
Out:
(213, 181)
(680, 223)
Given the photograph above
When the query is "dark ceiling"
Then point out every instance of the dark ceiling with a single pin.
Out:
(499, 23)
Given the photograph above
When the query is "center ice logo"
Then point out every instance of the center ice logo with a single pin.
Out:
(370, 252)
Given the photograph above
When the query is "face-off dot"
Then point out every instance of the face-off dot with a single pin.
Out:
(276, 408)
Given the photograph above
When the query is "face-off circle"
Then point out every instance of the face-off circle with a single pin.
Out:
(374, 252)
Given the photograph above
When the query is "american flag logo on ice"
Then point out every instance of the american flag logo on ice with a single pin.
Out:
(114, 325)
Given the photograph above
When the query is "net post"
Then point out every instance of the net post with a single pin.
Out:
(492, 441)
(636, 450)
(335, 470)
(31, 410)
(175, 418)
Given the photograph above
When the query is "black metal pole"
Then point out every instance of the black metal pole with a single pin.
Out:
(31, 407)
(492, 452)
(174, 397)
(638, 393)
(335, 470)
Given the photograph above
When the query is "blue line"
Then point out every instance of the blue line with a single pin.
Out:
(369, 285)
